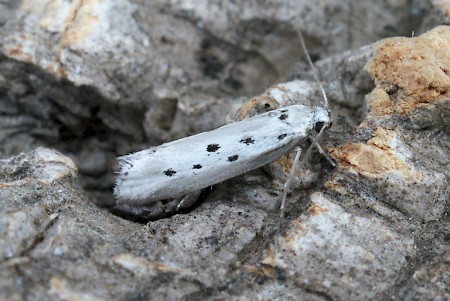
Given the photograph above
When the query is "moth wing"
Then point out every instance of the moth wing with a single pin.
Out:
(195, 162)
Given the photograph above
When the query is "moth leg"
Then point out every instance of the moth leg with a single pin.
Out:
(295, 165)
(144, 212)
(158, 209)
(290, 177)
(324, 154)
(189, 199)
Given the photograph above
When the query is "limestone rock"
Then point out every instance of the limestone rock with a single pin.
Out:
(95, 79)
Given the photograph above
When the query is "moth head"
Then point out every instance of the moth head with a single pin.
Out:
(321, 119)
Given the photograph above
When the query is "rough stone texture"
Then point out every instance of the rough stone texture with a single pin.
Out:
(110, 77)
(361, 254)
(94, 79)
(435, 12)
(408, 117)
(49, 231)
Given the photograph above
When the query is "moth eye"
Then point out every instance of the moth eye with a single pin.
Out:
(318, 126)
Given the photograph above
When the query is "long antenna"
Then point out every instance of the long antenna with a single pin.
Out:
(313, 68)
(325, 98)
(313, 140)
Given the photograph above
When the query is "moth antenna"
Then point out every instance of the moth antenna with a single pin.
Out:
(297, 163)
(313, 68)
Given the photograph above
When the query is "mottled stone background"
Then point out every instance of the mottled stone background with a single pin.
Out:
(84, 81)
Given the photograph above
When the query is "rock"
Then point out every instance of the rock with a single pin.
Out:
(406, 160)
(116, 77)
(351, 246)
(96, 79)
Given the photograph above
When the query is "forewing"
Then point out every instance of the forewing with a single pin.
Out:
(172, 169)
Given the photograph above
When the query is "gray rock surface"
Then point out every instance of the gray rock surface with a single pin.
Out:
(95, 79)
(111, 77)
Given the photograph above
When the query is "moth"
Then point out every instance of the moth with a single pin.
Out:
(177, 170)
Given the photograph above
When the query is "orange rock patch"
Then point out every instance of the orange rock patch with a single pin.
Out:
(374, 159)
(410, 72)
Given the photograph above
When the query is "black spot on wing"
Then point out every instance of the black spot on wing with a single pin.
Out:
(170, 172)
(212, 148)
(232, 158)
(283, 116)
(247, 141)
(282, 136)
(197, 166)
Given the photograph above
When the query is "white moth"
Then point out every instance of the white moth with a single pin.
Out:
(174, 169)
(182, 167)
